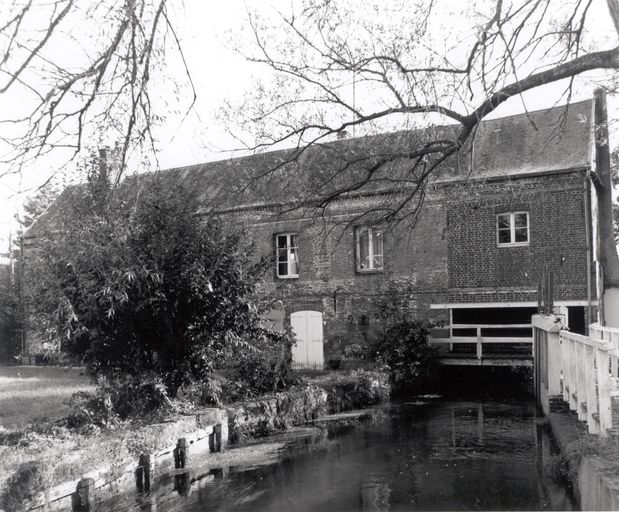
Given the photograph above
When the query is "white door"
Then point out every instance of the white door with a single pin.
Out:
(307, 327)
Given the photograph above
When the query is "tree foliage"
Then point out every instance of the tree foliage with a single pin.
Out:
(9, 314)
(136, 285)
(411, 362)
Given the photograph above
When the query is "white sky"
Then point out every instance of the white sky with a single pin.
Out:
(220, 75)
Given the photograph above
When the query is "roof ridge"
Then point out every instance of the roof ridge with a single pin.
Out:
(347, 141)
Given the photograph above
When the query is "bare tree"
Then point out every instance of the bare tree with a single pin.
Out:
(361, 65)
(79, 73)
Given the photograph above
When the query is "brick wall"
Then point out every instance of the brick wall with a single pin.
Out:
(355, 305)
(480, 271)
(451, 255)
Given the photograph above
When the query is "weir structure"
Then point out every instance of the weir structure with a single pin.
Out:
(144, 478)
(484, 344)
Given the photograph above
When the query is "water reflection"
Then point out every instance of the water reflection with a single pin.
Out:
(375, 492)
(437, 455)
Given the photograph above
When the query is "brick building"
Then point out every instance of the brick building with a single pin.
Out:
(517, 200)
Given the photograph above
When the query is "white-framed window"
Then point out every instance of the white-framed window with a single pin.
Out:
(512, 228)
(287, 247)
(369, 253)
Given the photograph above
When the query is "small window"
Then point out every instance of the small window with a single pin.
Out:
(369, 249)
(287, 255)
(512, 228)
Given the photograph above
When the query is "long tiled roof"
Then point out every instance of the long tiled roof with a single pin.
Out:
(541, 141)
(546, 140)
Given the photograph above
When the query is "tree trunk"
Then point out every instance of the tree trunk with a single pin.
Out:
(603, 187)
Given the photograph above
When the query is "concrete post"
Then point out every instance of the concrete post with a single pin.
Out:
(592, 404)
(564, 367)
(573, 377)
(604, 391)
(554, 364)
(582, 382)
(547, 358)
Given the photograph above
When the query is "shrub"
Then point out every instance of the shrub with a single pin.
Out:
(120, 399)
(28, 480)
(140, 288)
(265, 367)
(359, 389)
(209, 392)
(334, 364)
(409, 359)
(355, 351)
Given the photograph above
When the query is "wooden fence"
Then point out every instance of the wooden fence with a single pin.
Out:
(580, 370)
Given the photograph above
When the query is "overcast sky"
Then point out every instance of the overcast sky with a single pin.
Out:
(219, 75)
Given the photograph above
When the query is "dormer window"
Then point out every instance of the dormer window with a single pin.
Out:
(512, 229)
(287, 248)
(369, 253)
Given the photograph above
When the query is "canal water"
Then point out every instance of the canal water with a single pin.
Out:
(424, 455)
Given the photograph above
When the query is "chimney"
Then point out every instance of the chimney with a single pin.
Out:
(342, 134)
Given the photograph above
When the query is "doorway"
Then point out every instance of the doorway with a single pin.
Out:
(308, 350)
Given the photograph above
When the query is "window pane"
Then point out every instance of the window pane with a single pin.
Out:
(282, 268)
(503, 221)
(504, 236)
(293, 241)
(378, 261)
(520, 220)
(377, 246)
(282, 255)
(294, 268)
(521, 235)
(281, 241)
(364, 248)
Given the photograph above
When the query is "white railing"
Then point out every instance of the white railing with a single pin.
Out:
(610, 334)
(586, 379)
(580, 369)
(478, 340)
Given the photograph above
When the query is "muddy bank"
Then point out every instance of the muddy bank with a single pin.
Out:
(265, 450)
(37, 469)
(40, 469)
(325, 394)
(264, 416)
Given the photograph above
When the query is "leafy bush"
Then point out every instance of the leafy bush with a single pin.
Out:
(359, 389)
(264, 368)
(208, 392)
(91, 410)
(334, 364)
(406, 354)
(138, 286)
(119, 399)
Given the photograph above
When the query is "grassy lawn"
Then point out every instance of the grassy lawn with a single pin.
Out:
(30, 393)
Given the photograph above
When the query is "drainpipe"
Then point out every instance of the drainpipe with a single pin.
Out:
(587, 198)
